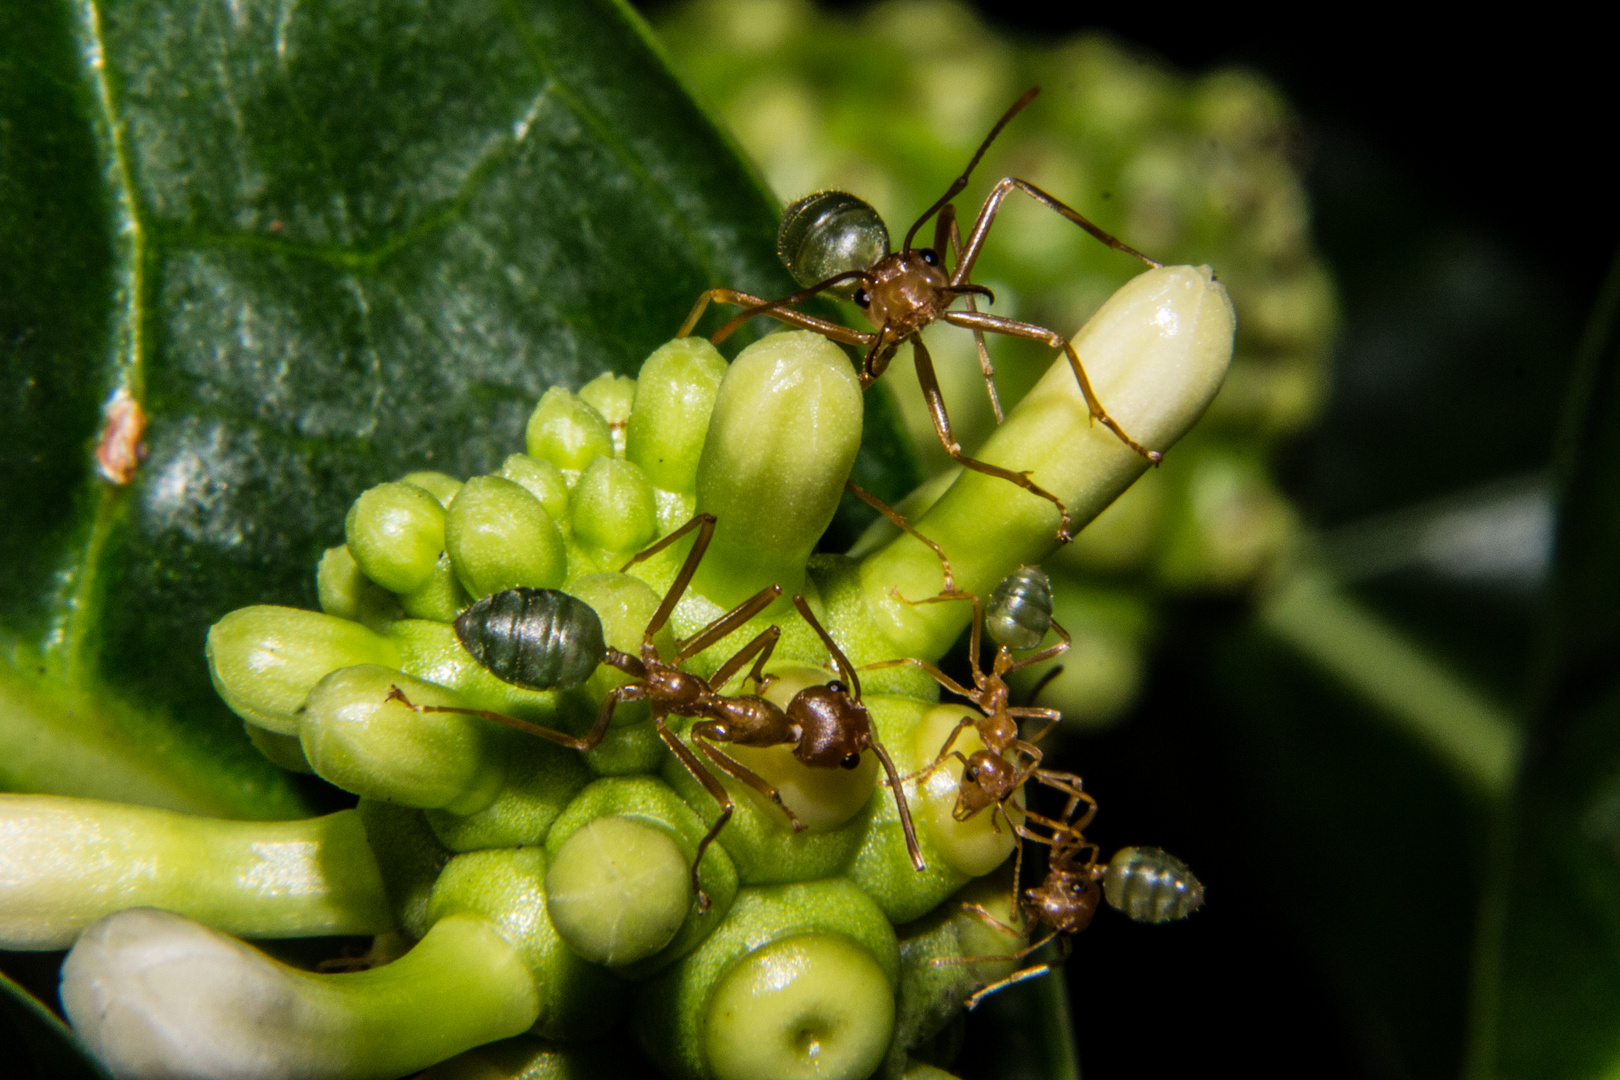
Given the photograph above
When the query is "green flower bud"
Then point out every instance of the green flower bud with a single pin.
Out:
(675, 396)
(577, 998)
(409, 856)
(541, 479)
(651, 803)
(541, 778)
(440, 597)
(265, 660)
(567, 432)
(436, 484)
(612, 396)
(360, 740)
(798, 974)
(284, 750)
(618, 890)
(1156, 353)
(67, 862)
(1233, 527)
(612, 506)
(785, 429)
(154, 994)
(347, 593)
(396, 532)
(759, 837)
(499, 537)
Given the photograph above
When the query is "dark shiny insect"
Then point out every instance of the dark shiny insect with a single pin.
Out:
(832, 241)
(1151, 885)
(826, 725)
(539, 639)
(1020, 605)
(1146, 884)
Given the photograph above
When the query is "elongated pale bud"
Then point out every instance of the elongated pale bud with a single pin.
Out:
(64, 863)
(798, 981)
(784, 433)
(1156, 352)
(265, 660)
(154, 994)
(675, 394)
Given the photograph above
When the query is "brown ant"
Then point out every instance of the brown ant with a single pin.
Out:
(832, 241)
(827, 726)
(1020, 612)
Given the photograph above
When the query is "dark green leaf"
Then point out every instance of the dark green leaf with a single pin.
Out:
(37, 1045)
(323, 244)
(1548, 979)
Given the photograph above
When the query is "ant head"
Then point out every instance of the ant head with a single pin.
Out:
(834, 728)
(986, 780)
(831, 233)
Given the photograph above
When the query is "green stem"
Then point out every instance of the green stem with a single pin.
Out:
(1479, 741)
(64, 863)
(157, 995)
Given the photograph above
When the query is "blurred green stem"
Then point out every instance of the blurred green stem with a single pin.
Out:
(1478, 740)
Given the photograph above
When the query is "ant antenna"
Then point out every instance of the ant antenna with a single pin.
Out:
(962, 181)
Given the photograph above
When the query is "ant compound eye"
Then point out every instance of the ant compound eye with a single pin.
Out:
(851, 761)
(970, 774)
(837, 687)
(862, 298)
(928, 256)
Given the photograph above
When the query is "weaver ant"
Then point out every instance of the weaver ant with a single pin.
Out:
(833, 241)
(826, 725)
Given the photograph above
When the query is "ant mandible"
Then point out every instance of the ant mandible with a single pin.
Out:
(825, 725)
(835, 242)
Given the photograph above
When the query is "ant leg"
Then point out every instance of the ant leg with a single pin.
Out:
(1071, 785)
(704, 523)
(945, 230)
(713, 787)
(726, 623)
(744, 774)
(947, 961)
(763, 644)
(980, 912)
(942, 427)
(845, 668)
(992, 204)
(1014, 328)
(937, 675)
(1007, 665)
(632, 692)
(1016, 977)
(949, 587)
(757, 306)
(944, 750)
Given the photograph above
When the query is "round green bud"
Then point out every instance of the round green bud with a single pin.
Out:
(681, 1022)
(782, 439)
(265, 660)
(396, 532)
(648, 802)
(359, 738)
(675, 396)
(612, 506)
(612, 396)
(567, 432)
(811, 1007)
(499, 537)
(541, 778)
(618, 890)
(541, 479)
(578, 999)
(437, 484)
(347, 593)
(440, 597)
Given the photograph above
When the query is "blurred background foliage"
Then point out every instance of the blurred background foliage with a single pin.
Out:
(1304, 646)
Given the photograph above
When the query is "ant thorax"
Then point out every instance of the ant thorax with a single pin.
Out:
(905, 291)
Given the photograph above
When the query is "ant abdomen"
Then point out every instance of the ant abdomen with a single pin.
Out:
(1151, 885)
(830, 233)
(538, 639)
(1020, 609)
